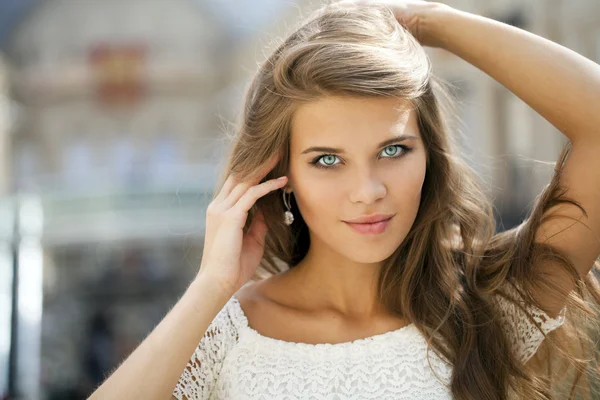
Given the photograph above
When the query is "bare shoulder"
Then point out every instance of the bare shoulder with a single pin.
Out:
(269, 306)
(264, 296)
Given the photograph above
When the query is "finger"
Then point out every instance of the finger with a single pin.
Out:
(237, 192)
(258, 228)
(254, 193)
(228, 186)
(239, 188)
(264, 169)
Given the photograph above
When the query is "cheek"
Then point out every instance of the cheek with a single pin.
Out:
(412, 185)
(316, 199)
(405, 194)
(405, 181)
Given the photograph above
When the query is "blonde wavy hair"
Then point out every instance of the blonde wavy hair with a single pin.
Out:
(452, 253)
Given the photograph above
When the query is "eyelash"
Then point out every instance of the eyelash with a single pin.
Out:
(316, 164)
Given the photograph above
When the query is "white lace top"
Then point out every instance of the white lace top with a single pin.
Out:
(234, 361)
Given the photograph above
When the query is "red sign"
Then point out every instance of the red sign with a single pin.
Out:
(118, 72)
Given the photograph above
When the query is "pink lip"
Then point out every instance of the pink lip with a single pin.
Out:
(370, 228)
(369, 219)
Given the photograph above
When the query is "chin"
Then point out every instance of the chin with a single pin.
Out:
(370, 254)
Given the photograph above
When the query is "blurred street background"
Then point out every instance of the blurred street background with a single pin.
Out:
(113, 121)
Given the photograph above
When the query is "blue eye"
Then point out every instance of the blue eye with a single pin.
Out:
(394, 148)
(393, 151)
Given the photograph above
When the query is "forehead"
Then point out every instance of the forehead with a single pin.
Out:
(332, 119)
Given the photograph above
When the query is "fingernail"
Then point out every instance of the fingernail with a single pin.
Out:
(282, 178)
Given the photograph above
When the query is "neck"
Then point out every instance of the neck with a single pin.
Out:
(328, 280)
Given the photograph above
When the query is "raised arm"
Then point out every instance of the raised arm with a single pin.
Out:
(560, 84)
(564, 88)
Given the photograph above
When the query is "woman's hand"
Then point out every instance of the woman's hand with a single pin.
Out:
(231, 257)
(414, 15)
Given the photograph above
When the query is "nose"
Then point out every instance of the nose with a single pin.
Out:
(366, 188)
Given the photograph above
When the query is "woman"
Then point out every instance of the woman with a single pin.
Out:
(397, 286)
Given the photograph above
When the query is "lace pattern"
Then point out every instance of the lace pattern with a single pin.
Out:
(233, 361)
(525, 337)
(204, 366)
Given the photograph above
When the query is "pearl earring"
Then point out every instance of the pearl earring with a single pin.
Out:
(288, 216)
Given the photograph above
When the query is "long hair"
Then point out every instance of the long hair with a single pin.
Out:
(443, 275)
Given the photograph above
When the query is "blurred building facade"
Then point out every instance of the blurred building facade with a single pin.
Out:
(5, 170)
(114, 149)
(6, 268)
(114, 138)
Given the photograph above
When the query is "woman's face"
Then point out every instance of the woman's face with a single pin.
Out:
(375, 164)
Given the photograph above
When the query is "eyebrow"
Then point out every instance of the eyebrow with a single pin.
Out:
(341, 151)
